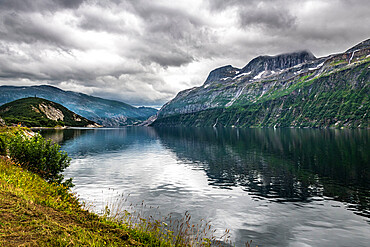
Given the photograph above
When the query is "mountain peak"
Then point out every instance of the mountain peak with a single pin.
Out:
(359, 46)
(288, 90)
(221, 72)
(103, 111)
(278, 62)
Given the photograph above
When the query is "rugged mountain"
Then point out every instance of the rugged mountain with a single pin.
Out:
(287, 90)
(103, 111)
(41, 113)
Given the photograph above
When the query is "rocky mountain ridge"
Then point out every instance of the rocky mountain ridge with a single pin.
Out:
(38, 112)
(266, 91)
(103, 111)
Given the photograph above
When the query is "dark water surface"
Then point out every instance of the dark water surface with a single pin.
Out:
(277, 187)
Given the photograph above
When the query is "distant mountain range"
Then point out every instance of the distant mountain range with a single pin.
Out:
(288, 90)
(37, 112)
(103, 111)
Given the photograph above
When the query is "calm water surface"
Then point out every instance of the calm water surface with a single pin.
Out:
(282, 187)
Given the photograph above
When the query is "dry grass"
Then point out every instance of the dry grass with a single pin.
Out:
(176, 232)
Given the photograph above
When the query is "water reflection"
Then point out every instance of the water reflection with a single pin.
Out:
(78, 142)
(283, 187)
(281, 164)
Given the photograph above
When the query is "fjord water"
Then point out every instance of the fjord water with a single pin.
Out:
(277, 187)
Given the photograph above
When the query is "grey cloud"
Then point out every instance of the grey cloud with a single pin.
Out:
(101, 23)
(39, 68)
(266, 14)
(221, 5)
(341, 25)
(18, 28)
(152, 11)
(69, 3)
(267, 17)
(168, 53)
(38, 5)
(138, 99)
(166, 38)
(7, 73)
(172, 36)
(144, 88)
(175, 24)
(169, 59)
(218, 5)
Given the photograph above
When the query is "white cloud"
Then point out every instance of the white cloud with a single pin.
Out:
(144, 52)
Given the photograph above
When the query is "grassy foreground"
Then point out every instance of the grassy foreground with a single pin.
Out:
(36, 213)
(38, 209)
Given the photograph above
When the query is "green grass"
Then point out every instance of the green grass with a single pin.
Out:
(34, 212)
(338, 62)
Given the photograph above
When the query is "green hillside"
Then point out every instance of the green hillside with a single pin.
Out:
(288, 90)
(329, 101)
(102, 111)
(38, 112)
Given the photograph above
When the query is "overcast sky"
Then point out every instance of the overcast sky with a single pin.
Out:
(145, 52)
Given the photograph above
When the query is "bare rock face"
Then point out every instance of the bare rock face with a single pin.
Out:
(285, 90)
(220, 73)
(35, 109)
(2, 122)
(51, 112)
(107, 112)
(95, 125)
(38, 112)
(279, 62)
(149, 121)
(77, 118)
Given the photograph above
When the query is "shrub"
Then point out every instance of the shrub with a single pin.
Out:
(2, 145)
(40, 156)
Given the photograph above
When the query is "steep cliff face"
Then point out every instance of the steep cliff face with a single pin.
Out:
(277, 63)
(41, 113)
(293, 89)
(50, 111)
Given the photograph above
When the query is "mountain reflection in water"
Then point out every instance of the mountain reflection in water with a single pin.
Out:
(278, 187)
(281, 164)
